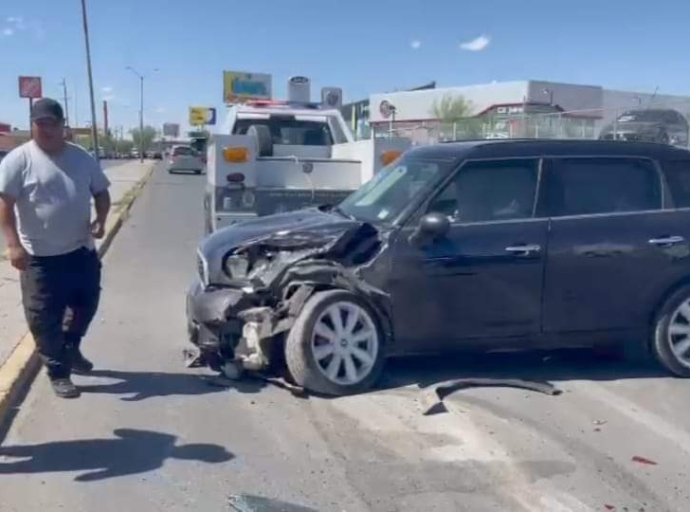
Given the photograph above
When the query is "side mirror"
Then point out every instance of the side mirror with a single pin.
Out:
(431, 227)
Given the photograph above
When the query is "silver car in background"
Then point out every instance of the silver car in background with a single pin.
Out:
(185, 159)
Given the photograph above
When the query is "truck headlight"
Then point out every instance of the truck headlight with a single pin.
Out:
(236, 266)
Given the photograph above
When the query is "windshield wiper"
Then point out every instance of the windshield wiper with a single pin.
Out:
(337, 209)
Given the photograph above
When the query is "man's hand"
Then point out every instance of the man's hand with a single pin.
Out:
(19, 258)
(97, 229)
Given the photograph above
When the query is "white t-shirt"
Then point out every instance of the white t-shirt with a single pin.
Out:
(53, 196)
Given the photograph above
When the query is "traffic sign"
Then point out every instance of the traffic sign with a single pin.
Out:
(30, 87)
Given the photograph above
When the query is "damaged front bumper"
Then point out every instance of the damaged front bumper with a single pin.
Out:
(211, 324)
(228, 327)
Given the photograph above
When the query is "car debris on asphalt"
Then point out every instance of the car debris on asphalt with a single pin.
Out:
(433, 398)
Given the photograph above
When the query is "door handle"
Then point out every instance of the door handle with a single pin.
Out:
(523, 250)
(667, 241)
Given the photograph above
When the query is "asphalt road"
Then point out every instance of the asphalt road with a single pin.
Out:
(148, 434)
(105, 163)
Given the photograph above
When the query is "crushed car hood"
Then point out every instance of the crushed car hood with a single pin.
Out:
(310, 227)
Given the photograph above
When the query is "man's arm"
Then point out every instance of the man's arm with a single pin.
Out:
(8, 225)
(102, 205)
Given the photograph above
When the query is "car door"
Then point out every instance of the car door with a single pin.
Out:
(609, 242)
(484, 278)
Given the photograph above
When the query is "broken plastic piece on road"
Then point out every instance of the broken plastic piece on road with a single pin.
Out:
(643, 460)
(599, 422)
(433, 399)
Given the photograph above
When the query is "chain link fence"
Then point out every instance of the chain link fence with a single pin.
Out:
(658, 121)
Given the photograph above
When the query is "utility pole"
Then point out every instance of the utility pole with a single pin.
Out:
(141, 111)
(64, 96)
(94, 125)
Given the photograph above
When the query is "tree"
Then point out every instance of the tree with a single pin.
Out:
(143, 139)
(451, 109)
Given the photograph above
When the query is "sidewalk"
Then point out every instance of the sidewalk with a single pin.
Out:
(124, 179)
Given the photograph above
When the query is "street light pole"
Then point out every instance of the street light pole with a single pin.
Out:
(64, 96)
(141, 110)
(94, 125)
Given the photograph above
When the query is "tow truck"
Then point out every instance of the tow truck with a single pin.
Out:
(277, 156)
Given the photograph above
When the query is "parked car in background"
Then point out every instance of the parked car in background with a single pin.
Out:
(665, 126)
(157, 155)
(186, 159)
(499, 244)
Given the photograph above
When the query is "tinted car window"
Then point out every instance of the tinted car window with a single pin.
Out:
(183, 151)
(678, 178)
(581, 186)
(490, 191)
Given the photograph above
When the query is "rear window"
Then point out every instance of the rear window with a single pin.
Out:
(678, 178)
(183, 151)
(286, 130)
(585, 186)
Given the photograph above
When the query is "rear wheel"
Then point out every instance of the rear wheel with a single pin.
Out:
(671, 341)
(335, 346)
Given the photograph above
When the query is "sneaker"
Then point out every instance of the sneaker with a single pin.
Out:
(64, 388)
(80, 365)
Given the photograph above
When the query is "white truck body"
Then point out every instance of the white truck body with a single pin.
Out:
(294, 172)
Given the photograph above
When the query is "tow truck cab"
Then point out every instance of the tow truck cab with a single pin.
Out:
(272, 157)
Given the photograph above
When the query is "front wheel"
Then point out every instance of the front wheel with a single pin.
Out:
(671, 341)
(335, 346)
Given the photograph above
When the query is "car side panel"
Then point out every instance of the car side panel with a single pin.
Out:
(602, 272)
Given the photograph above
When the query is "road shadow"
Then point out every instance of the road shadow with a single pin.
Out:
(138, 386)
(131, 452)
(536, 366)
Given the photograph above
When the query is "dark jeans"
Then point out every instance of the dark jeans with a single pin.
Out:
(60, 296)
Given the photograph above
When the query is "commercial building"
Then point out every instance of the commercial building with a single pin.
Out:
(357, 113)
(529, 108)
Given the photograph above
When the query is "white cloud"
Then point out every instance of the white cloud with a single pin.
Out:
(107, 89)
(476, 45)
(161, 110)
(7, 32)
(415, 44)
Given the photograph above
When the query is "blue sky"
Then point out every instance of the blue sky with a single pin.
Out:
(362, 46)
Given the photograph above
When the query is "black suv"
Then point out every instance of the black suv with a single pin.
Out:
(495, 244)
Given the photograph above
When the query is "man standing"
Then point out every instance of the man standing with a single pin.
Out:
(46, 186)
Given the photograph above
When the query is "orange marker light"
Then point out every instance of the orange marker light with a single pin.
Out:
(389, 156)
(235, 154)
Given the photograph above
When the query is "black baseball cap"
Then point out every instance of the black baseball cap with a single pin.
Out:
(46, 108)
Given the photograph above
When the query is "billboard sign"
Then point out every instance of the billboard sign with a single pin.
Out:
(202, 116)
(30, 87)
(171, 129)
(239, 86)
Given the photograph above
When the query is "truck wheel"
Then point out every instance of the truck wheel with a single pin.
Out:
(671, 341)
(335, 346)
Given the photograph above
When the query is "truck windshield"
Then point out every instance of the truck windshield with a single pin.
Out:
(384, 197)
(287, 130)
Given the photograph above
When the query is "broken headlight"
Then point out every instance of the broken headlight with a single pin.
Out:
(236, 266)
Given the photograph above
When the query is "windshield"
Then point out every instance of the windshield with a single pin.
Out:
(384, 197)
(287, 130)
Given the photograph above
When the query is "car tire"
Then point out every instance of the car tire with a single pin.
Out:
(354, 373)
(668, 333)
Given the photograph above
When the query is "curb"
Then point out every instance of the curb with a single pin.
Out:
(23, 364)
